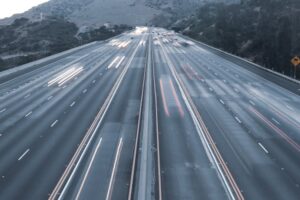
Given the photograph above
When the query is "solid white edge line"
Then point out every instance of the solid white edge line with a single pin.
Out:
(88, 169)
(60, 197)
(113, 173)
(203, 139)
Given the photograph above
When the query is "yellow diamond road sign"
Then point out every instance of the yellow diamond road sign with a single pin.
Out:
(295, 61)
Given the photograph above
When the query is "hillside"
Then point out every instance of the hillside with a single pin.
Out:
(265, 32)
(24, 41)
(97, 12)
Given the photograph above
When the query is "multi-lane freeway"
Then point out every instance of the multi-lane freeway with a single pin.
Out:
(148, 114)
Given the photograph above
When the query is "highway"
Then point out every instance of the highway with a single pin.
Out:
(147, 115)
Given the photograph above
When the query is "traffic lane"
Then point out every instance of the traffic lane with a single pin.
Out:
(283, 82)
(186, 171)
(268, 91)
(94, 177)
(17, 81)
(280, 147)
(257, 96)
(26, 92)
(224, 89)
(12, 115)
(190, 82)
(256, 173)
(21, 110)
(61, 105)
(107, 82)
(45, 66)
(60, 141)
(118, 137)
(253, 81)
(43, 81)
(282, 139)
(64, 101)
(85, 54)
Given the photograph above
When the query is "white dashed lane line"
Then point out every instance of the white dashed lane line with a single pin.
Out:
(23, 155)
(54, 123)
(3, 110)
(252, 103)
(28, 95)
(72, 104)
(264, 148)
(274, 120)
(238, 120)
(28, 114)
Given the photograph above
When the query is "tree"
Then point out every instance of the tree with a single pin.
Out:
(284, 44)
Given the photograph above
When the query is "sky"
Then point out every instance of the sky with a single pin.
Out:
(10, 7)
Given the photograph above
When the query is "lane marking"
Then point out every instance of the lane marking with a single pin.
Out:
(238, 120)
(88, 138)
(276, 129)
(251, 102)
(163, 97)
(176, 98)
(289, 107)
(23, 155)
(88, 169)
(3, 110)
(210, 147)
(114, 170)
(27, 115)
(72, 104)
(274, 120)
(54, 123)
(113, 62)
(120, 62)
(28, 95)
(262, 146)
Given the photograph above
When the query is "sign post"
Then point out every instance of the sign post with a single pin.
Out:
(295, 61)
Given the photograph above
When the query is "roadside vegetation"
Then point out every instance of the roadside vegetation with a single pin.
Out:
(266, 32)
(24, 41)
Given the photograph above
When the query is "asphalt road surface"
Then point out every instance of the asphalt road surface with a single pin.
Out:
(148, 115)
